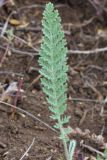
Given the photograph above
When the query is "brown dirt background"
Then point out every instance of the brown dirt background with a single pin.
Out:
(87, 84)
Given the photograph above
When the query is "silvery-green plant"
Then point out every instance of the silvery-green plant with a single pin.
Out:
(104, 155)
(53, 62)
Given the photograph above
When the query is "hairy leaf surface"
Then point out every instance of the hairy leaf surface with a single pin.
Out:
(53, 62)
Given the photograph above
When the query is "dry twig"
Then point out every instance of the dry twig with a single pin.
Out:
(4, 56)
(23, 156)
(97, 50)
(87, 100)
(79, 25)
(34, 81)
(29, 114)
(17, 95)
(92, 149)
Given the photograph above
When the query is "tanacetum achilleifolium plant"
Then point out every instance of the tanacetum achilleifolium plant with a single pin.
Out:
(53, 62)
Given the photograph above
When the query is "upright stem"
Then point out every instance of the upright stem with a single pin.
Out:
(63, 140)
(65, 150)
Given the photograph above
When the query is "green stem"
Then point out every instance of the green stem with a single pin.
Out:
(63, 140)
(65, 150)
(59, 120)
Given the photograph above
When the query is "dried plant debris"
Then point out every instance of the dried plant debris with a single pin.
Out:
(8, 91)
(86, 135)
